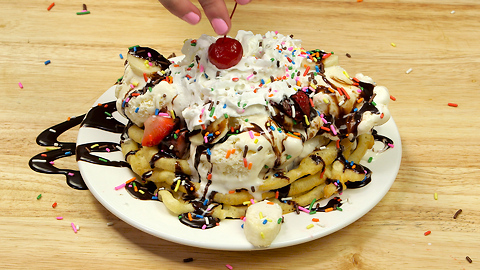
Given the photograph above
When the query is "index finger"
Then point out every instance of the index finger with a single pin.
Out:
(184, 9)
(217, 13)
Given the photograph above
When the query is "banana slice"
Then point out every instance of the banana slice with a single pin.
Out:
(145, 60)
(330, 61)
(263, 223)
(140, 65)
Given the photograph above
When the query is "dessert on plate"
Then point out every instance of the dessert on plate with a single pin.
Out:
(253, 122)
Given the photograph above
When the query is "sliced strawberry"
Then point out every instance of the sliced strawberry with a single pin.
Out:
(303, 101)
(156, 128)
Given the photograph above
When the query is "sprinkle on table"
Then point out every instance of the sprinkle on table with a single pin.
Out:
(468, 259)
(20, 85)
(74, 228)
(186, 260)
(51, 6)
(409, 70)
(229, 266)
(47, 62)
(427, 233)
(452, 104)
(39, 196)
(459, 211)
(54, 205)
(435, 196)
(83, 12)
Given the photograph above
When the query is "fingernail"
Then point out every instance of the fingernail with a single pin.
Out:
(243, 2)
(191, 18)
(220, 26)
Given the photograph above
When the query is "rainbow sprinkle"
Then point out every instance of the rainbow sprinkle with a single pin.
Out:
(74, 227)
(51, 6)
(304, 209)
(120, 186)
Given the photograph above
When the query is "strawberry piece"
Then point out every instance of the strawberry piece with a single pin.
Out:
(156, 128)
(303, 101)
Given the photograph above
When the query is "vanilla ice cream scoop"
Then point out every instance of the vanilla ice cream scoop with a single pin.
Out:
(263, 222)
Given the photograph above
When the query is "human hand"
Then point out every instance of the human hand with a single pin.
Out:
(215, 10)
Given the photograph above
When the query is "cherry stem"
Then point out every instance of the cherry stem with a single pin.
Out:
(233, 11)
(231, 15)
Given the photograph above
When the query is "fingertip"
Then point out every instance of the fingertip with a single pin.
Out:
(219, 26)
(243, 2)
(191, 18)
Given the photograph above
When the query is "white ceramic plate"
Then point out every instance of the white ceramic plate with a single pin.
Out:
(152, 216)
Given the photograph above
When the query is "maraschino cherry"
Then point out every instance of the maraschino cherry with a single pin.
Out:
(225, 52)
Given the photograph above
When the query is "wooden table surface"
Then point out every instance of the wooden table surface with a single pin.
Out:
(437, 40)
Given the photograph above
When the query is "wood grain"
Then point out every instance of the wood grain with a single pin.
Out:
(440, 143)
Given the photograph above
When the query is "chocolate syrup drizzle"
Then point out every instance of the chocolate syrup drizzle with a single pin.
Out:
(43, 162)
(332, 203)
(99, 117)
(142, 191)
(201, 216)
(151, 55)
